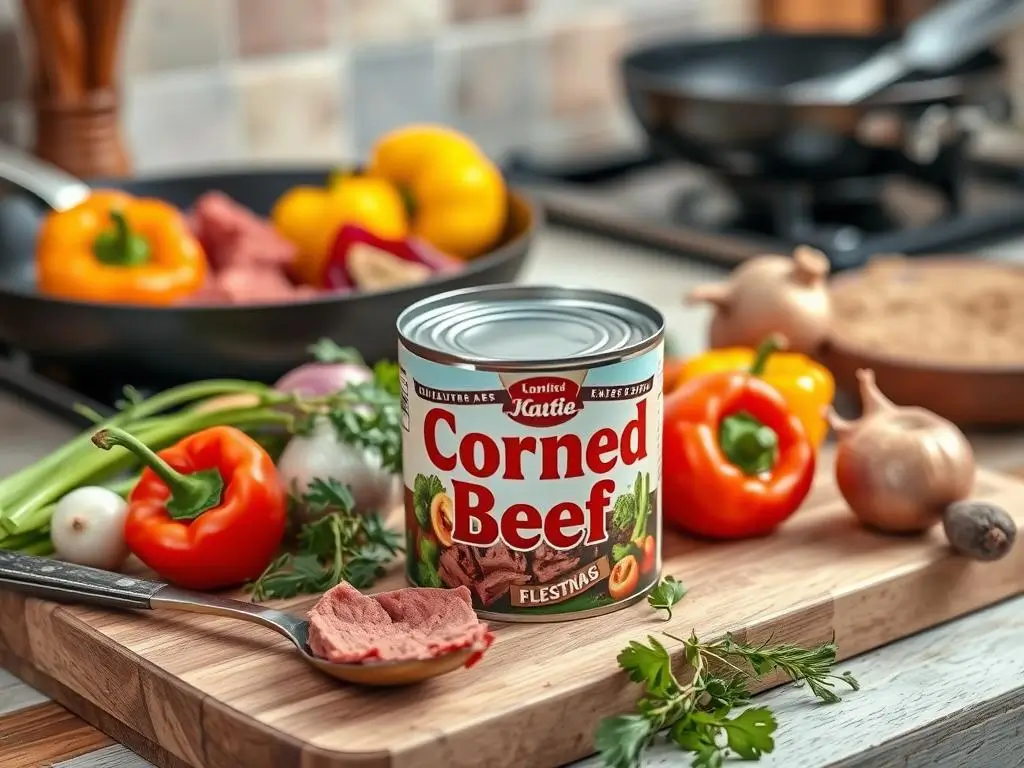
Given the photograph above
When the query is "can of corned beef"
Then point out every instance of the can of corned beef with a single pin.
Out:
(531, 422)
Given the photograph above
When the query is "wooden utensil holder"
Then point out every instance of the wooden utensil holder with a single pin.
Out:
(82, 137)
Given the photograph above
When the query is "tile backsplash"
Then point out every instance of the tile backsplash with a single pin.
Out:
(207, 81)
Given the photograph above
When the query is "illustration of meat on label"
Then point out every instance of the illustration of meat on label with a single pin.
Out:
(533, 482)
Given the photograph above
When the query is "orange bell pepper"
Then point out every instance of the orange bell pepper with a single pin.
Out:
(736, 462)
(116, 248)
(456, 195)
(807, 386)
(312, 217)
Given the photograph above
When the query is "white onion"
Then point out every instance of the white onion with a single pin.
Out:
(322, 455)
(87, 528)
(318, 379)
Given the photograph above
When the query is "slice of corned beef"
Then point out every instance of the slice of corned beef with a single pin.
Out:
(232, 235)
(346, 626)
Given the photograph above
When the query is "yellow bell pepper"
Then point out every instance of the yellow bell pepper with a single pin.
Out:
(456, 195)
(311, 217)
(805, 385)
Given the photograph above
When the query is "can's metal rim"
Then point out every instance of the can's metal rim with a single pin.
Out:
(619, 311)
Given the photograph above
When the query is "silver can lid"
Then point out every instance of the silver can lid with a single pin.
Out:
(526, 326)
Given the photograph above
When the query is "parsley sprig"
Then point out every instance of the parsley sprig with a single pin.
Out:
(698, 711)
(666, 593)
(337, 545)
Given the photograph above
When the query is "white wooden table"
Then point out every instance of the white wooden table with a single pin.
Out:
(952, 697)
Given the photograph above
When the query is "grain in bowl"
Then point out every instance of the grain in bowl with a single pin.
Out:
(933, 312)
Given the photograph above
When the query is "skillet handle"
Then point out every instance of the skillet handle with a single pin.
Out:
(65, 582)
(57, 189)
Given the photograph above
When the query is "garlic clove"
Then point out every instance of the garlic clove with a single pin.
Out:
(375, 269)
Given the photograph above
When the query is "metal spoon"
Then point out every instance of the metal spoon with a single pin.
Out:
(63, 582)
(937, 41)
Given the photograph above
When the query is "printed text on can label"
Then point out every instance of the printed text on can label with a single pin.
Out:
(539, 490)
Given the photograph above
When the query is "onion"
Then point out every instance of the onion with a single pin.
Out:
(771, 294)
(897, 467)
(87, 528)
(319, 379)
(321, 455)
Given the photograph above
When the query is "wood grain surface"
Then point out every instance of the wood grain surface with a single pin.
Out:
(202, 691)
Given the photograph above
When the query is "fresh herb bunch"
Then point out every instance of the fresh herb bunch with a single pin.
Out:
(366, 414)
(338, 545)
(698, 712)
(373, 422)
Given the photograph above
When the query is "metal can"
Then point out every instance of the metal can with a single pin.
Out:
(531, 447)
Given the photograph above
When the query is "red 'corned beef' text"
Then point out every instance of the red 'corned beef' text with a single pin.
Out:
(523, 526)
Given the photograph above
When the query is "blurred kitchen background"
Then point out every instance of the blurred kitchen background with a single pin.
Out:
(230, 80)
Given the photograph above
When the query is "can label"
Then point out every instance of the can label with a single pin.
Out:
(539, 490)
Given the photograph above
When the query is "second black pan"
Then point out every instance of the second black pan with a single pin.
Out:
(185, 343)
(723, 104)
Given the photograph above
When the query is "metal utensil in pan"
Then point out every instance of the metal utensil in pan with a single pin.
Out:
(944, 37)
(724, 104)
(169, 345)
(63, 582)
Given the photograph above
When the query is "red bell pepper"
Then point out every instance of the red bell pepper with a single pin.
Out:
(736, 462)
(208, 512)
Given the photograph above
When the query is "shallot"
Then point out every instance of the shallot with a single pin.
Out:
(87, 528)
(771, 294)
(321, 455)
(318, 379)
(899, 467)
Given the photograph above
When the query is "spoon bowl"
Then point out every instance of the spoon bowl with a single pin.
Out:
(66, 583)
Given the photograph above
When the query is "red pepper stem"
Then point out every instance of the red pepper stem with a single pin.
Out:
(749, 444)
(767, 348)
(191, 494)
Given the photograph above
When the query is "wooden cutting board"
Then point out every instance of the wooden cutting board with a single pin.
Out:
(207, 692)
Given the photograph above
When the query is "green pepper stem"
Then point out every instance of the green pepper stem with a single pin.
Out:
(120, 246)
(767, 348)
(409, 201)
(191, 495)
(749, 444)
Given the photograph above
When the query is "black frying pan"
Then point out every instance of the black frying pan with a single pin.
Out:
(178, 344)
(723, 104)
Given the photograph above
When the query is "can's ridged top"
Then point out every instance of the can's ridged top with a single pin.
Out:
(526, 326)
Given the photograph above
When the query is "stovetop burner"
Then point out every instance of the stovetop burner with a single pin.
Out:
(952, 204)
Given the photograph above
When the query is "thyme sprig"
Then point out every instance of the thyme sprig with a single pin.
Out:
(697, 711)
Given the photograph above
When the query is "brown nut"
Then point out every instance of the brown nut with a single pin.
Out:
(442, 518)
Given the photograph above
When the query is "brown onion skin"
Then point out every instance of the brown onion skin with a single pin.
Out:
(771, 294)
(897, 467)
